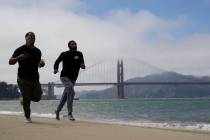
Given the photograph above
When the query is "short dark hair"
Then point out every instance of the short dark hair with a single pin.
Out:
(29, 33)
(70, 42)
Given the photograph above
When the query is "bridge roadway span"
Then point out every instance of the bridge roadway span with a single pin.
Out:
(133, 83)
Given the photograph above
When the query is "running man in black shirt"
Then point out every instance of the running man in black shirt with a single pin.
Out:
(29, 59)
(72, 62)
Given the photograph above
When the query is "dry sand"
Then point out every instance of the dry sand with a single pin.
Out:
(14, 128)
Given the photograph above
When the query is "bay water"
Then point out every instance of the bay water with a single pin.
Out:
(190, 114)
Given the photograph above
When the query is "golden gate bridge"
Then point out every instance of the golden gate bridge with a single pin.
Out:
(118, 80)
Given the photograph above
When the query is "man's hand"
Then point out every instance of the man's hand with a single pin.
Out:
(41, 63)
(55, 71)
(23, 56)
(82, 66)
(13, 60)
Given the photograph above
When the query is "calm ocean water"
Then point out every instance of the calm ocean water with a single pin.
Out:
(192, 114)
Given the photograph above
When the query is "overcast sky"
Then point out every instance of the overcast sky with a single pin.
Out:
(172, 35)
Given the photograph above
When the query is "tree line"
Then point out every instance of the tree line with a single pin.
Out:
(8, 91)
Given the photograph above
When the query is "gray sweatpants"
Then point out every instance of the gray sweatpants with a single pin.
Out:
(68, 95)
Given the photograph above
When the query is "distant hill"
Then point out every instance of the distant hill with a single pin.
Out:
(157, 91)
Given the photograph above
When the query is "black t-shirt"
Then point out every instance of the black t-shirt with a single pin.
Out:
(28, 68)
(72, 61)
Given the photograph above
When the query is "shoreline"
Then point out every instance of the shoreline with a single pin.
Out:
(105, 122)
(14, 128)
(150, 125)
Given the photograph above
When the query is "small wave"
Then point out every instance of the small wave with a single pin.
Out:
(201, 127)
(11, 113)
(47, 115)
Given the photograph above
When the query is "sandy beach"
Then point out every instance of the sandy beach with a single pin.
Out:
(14, 128)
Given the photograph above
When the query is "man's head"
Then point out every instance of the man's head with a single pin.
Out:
(30, 38)
(72, 45)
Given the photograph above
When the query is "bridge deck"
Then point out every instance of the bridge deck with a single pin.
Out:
(134, 83)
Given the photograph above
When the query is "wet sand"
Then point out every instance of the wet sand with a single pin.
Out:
(14, 128)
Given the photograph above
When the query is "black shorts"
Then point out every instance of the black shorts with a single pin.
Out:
(30, 89)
